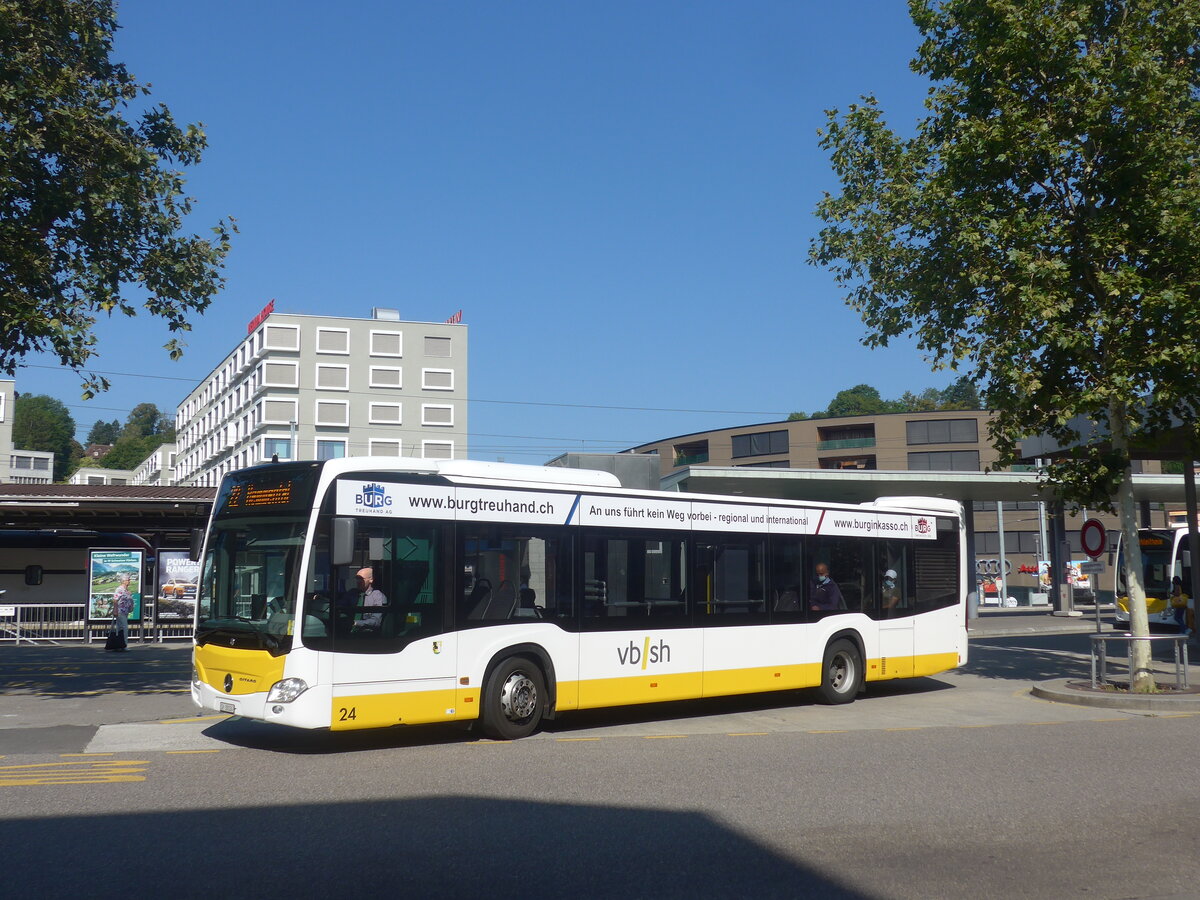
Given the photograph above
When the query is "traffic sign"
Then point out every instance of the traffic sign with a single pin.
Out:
(1092, 567)
(1093, 538)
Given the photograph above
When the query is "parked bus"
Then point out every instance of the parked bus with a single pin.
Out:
(507, 594)
(1164, 555)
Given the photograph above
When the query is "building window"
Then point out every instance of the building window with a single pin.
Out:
(773, 464)
(383, 413)
(437, 379)
(332, 377)
(281, 447)
(281, 374)
(333, 340)
(384, 448)
(945, 461)
(987, 543)
(437, 346)
(387, 343)
(761, 443)
(436, 415)
(692, 454)
(944, 431)
(41, 463)
(3, 406)
(333, 412)
(437, 449)
(331, 449)
(282, 337)
(278, 412)
(385, 377)
(21, 462)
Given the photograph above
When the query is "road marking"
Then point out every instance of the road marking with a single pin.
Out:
(486, 743)
(84, 755)
(97, 772)
(192, 751)
(574, 740)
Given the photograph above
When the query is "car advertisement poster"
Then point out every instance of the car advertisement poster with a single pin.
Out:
(178, 577)
(110, 573)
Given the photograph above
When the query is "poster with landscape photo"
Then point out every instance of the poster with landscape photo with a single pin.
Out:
(106, 572)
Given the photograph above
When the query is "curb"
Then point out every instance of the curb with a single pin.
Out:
(1067, 690)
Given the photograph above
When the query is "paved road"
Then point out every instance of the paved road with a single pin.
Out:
(951, 786)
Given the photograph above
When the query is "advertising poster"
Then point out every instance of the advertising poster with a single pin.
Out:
(110, 571)
(178, 577)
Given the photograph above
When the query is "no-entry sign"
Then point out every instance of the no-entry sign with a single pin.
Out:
(1093, 538)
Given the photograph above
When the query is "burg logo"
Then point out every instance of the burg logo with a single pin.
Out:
(373, 496)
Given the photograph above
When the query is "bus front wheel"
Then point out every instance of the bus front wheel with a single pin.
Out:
(513, 700)
(842, 673)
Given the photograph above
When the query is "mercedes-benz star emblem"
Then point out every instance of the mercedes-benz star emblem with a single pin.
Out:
(229, 684)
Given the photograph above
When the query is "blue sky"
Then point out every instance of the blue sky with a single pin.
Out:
(618, 195)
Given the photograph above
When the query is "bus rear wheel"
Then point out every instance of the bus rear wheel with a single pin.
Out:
(841, 674)
(513, 700)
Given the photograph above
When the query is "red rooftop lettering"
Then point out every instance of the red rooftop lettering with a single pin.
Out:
(258, 320)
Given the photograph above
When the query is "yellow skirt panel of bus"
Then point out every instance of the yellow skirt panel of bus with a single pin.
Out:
(932, 663)
(888, 667)
(1154, 605)
(599, 692)
(724, 682)
(233, 671)
(408, 708)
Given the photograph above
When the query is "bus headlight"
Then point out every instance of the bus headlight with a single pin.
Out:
(287, 690)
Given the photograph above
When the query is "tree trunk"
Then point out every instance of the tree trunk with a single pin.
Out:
(1141, 676)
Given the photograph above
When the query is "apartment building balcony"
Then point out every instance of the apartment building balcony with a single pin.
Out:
(845, 444)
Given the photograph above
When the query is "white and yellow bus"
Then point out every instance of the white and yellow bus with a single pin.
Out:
(509, 594)
(1164, 555)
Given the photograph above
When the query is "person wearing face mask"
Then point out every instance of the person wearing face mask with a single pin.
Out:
(889, 593)
(826, 595)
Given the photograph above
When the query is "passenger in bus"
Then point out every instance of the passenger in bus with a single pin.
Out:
(1179, 603)
(826, 595)
(889, 593)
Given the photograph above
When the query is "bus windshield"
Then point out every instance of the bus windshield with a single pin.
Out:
(1156, 551)
(247, 585)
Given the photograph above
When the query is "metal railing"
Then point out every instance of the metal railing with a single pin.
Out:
(1100, 656)
(846, 443)
(57, 623)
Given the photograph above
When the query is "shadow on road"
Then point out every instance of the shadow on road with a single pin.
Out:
(423, 847)
(82, 670)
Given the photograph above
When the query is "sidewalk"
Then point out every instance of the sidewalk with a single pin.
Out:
(994, 622)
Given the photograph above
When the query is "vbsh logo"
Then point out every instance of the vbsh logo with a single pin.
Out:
(633, 655)
(373, 496)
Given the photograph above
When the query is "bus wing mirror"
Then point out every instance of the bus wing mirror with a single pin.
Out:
(345, 529)
(1186, 558)
(195, 544)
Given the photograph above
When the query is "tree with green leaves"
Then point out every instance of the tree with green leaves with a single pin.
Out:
(1040, 227)
(92, 201)
(43, 423)
(104, 432)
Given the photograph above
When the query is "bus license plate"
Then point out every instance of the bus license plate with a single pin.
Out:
(226, 707)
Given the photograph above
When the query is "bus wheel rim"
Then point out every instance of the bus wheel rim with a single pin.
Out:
(841, 672)
(518, 697)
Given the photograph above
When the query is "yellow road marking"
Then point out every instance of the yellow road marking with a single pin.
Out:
(485, 743)
(99, 771)
(87, 755)
(193, 751)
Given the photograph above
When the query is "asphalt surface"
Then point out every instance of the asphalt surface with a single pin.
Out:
(959, 785)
